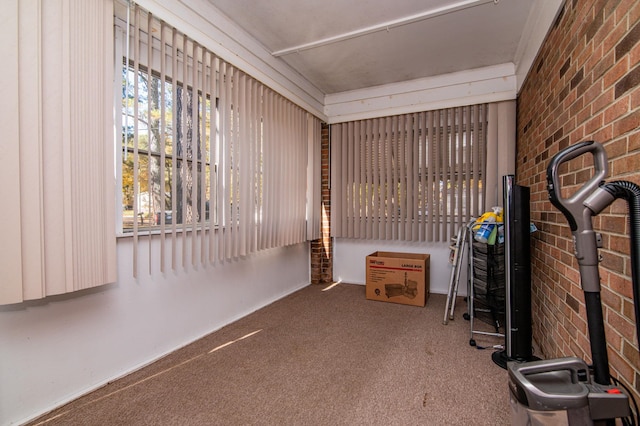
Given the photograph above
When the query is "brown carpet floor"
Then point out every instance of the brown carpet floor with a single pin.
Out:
(321, 356)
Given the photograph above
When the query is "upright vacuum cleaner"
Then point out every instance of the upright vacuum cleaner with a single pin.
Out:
(567, 391)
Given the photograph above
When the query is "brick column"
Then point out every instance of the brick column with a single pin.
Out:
(322, 248)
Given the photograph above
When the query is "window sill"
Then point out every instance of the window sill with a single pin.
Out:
(168, 230)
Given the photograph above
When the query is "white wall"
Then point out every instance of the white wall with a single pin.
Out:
(349, 261)
(59, 348)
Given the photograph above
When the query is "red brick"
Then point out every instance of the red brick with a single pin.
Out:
(616, 110)
(634, 141)
(628, 123)
(621, 365)
(630, 80)
(604, 105)
(603, 100)
(635, 98)
(615, 73)
(321, 250)
(613, 300)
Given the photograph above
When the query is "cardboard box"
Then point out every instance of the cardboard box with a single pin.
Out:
(398, 277)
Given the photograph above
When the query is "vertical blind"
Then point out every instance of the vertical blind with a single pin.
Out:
(56, 147)
(213, 162)
(412, 177)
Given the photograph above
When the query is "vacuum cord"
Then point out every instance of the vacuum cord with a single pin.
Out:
(630, 192)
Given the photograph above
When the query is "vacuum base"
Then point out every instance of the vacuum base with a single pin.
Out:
(501, 358)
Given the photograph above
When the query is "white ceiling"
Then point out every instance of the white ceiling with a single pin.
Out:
(345, 60)
(345, 45)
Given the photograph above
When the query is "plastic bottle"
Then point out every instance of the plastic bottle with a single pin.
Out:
(500, 233)
(488, 224)
(483, 233)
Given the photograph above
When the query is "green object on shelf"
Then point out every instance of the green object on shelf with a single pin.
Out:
(492, 237)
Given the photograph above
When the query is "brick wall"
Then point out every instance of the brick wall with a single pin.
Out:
(322, 248)
(584, 85)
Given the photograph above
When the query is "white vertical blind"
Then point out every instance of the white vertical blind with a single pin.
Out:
(413, 177)
(10, 254)
(501, 148)
(228, 161)
(57, 121)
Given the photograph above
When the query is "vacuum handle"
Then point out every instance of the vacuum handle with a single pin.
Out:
(572, 364)
(541, 396)
(573, 207)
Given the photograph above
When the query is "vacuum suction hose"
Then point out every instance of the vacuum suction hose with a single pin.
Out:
(630, 192)
(588, 201)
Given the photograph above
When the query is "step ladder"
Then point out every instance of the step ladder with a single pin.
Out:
(460, 243)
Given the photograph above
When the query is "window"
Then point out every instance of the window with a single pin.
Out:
(212, 162)
(414, 177)
(148, 172)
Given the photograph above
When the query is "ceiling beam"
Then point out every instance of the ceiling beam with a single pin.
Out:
(489, 84)
(385, 26)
